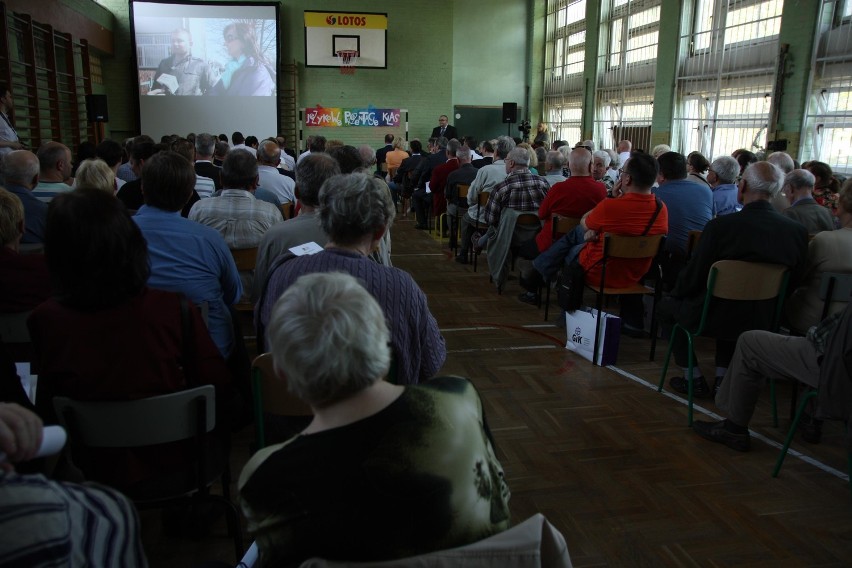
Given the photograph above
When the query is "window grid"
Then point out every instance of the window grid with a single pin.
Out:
(624, 94)
(725, 76)
(565, 56)
(827, 128)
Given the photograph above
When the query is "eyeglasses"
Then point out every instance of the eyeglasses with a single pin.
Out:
(230, 37)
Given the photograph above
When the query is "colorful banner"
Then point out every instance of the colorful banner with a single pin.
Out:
(346, 20)
(338, 117)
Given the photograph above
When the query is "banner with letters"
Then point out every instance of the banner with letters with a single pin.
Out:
(343, 117)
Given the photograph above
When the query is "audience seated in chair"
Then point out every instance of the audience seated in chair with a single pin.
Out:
(24, 280)
(311, 173)
(54, 523)
(383, 471)
(761, 355)
(107, 336)
(799, 186)
(20, 173)
(355, 211)
(573, 197)
(633, 212)
(828, 251)
(758, 233)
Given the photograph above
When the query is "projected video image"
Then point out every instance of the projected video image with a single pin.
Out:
(192, 56)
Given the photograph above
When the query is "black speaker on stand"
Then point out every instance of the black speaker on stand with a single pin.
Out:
(510, 116)
(97, 113)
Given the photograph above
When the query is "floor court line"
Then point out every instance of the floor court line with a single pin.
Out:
(790, 452)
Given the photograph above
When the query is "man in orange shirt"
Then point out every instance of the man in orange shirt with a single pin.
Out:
(634, 211)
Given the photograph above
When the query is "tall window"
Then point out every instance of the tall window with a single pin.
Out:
(726, 75)
(565, 52)
(624, 94)
(827, 132)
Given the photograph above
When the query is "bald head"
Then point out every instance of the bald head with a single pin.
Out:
(580, 162)
(21, 167)
(269, 153)
(761, 180)
(624, 146)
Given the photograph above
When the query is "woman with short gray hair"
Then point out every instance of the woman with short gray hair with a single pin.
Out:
(382, 471)
(356, 210)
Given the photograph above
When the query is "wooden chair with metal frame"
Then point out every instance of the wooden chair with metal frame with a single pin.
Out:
(287, 209)
(731, 280)
(278, 414)
(245, 259)
(187, 415)
(527, 224)
(482, 201)
(630, 247)
(833, 285)
(559, 227)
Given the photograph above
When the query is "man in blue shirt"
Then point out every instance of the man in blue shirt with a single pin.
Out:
(690, 204)
(186, 256)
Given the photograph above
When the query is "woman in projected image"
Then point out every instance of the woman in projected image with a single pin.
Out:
(247, 73)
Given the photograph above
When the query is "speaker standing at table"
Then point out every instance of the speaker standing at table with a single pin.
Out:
(444, 129)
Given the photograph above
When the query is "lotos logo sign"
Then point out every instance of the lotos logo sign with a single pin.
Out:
(349, 21)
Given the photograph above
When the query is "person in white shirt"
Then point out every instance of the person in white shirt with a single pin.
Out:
(268, 158)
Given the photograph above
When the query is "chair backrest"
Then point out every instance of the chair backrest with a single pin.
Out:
(144, 422)
(562, 225)
(692, 241)
(743, 280)
(287, 209)
(271, 396)
(482, 198)
(622, 246)
(463, 190)
(384, 167)
(245, 259)
(749, 281)
(834, 287)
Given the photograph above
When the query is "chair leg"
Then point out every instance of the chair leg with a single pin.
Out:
(689, 377)
(667, 359)
(235, 528)
(792, 433)
(546, 299)
(597, 330)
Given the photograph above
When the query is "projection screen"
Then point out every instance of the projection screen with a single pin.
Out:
(206, 67)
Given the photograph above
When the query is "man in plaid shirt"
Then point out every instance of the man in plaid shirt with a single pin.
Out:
(521, 190)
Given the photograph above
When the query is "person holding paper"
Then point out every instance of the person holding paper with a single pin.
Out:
(355, 210)
(181, 73)
(54, 523)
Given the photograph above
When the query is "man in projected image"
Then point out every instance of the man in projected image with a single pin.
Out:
(181, 73)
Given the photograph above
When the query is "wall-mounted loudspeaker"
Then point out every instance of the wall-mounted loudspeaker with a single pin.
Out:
(96, 108)
(510, 113)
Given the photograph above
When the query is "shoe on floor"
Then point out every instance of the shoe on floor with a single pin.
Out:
(699, 389)
(529, 298)
(716, 432)
(461, 259)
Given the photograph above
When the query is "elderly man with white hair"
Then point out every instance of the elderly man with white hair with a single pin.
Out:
(601, 159)
(722, 177)
(758, 233)
(554, 162)
(799, 188)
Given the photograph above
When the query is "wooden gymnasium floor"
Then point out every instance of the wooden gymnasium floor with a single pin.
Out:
(608, 460)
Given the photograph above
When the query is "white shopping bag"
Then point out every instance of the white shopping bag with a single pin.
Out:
(580, 325)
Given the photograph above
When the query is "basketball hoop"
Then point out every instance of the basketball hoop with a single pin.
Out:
(347, 58)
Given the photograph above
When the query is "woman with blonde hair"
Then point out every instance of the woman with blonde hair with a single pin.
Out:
(95, 173)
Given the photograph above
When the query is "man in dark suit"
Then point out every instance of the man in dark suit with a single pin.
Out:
(487, 155)
(382, 152)
(758, 233)
(404, 179)
(420, 199)
(444, 129)
(205, 144)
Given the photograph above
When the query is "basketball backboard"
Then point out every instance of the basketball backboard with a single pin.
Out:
(329, 33)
